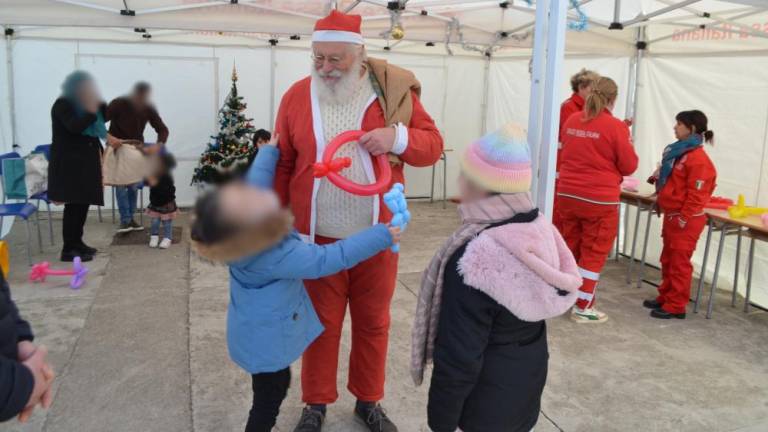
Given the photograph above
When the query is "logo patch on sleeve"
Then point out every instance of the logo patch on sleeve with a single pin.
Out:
(699, 184)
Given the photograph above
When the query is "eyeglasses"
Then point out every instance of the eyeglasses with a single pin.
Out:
(321, 59)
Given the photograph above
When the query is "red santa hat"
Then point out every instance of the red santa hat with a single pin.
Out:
(338, 27)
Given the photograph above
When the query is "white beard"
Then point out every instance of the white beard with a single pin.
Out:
(342, 90)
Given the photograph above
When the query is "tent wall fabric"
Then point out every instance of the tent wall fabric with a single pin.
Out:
(709, 55)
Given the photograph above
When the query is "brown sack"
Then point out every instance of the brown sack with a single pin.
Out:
(125, 166)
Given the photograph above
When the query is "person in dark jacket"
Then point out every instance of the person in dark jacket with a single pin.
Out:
(486, 294)
(128, 116)
(74, 171)
(25, 376)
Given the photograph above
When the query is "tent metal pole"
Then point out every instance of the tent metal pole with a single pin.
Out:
(272, 84)
(486, 88)
(617, 11)
(634, 75)
(656, 13)
(550, 127)
(537, 81)
(11, 89)
(88, 5)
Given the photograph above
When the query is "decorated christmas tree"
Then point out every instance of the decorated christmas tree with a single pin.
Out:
(229, 153)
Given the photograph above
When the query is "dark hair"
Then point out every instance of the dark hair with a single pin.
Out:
(696, 121)
(142, 88)
(168, 161)
(208, 224)
(261, 134)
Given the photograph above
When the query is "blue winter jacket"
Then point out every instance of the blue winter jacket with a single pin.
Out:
(271, 321)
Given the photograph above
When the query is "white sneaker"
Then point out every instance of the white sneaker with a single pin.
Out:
(154, 241)
(165, 244)
(589, 316)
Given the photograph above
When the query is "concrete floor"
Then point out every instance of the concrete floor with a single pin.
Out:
(141, 348)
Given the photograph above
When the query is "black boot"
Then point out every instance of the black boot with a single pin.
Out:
(662, 314)
(84, 248)
(69, 254)
(651, 304)
(311, 420)
(374, 417)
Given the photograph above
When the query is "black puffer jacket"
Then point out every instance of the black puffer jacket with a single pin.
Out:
(490, 367)
(16, 381)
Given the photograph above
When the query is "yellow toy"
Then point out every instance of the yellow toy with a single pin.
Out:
(4, 261)
(740, 210)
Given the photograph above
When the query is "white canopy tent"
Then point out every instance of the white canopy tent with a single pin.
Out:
(473, 58)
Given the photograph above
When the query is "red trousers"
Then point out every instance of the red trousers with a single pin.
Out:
(589, 230)
(676, 267)
(368, 289)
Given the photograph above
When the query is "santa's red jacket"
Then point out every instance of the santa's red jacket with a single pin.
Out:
(596, 155)
(302, 142)
(689, 186)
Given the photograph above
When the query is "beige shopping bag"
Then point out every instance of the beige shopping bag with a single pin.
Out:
(125, 166)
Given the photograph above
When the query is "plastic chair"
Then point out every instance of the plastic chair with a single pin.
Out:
(23, 210)
(45, 149)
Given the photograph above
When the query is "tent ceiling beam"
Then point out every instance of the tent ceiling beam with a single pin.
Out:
(645, 17)
(533, 12)
(88, 5)
(181, 7)
(255, 5)
(721, 20)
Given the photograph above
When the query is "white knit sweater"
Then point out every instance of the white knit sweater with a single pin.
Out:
(339, 213)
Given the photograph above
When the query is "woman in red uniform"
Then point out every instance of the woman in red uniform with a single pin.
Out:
(597, 152)
(684, 183)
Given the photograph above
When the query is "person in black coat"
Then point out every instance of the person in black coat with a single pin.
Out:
(74, 171)
(25, 377)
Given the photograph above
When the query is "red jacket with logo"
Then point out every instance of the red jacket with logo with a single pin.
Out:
(689, 186)
(571, 106)
(595, 157)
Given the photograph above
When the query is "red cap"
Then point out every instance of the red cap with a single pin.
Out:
(338, 27)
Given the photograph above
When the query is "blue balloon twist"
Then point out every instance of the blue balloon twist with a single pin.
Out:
(395, 201)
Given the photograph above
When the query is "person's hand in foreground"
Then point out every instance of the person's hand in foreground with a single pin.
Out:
(396, 233)
(36, 362)
(379, 141)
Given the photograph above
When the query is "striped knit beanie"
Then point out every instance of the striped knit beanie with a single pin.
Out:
(500, 161)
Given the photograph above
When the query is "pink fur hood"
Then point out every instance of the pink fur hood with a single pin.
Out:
(525, 267)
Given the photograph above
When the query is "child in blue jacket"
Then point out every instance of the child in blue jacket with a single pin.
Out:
(270, 321)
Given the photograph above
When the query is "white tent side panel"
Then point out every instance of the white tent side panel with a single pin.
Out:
(6, 140)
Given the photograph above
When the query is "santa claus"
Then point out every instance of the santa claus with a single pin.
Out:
(349, 91)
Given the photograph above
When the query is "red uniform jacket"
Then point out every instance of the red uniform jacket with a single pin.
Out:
(302, 142)
(596, 155)
(571, 106)
(689, 186)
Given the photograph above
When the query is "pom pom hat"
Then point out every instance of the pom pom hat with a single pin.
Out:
(338, 27)
(500, 161)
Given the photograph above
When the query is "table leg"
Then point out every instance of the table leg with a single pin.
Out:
(618, 236)
(634, 244)
(445, 179)
(750, 264)
(736, 272)
(710, 227)
(432, 190)
(723, 235)
(645, 247)
(626, 231)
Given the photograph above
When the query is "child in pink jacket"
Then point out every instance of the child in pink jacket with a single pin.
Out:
(486, 294)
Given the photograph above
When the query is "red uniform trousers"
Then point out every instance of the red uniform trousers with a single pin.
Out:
(589, 229)
(676, 267)
(368, 288)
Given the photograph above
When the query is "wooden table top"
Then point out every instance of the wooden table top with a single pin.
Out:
(753, 222)
(646, 194)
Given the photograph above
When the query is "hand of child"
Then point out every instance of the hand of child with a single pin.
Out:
(43, 375)
(395, 232)
(273, 141)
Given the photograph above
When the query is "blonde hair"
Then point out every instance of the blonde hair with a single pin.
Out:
(583, 78)
(604, 92)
